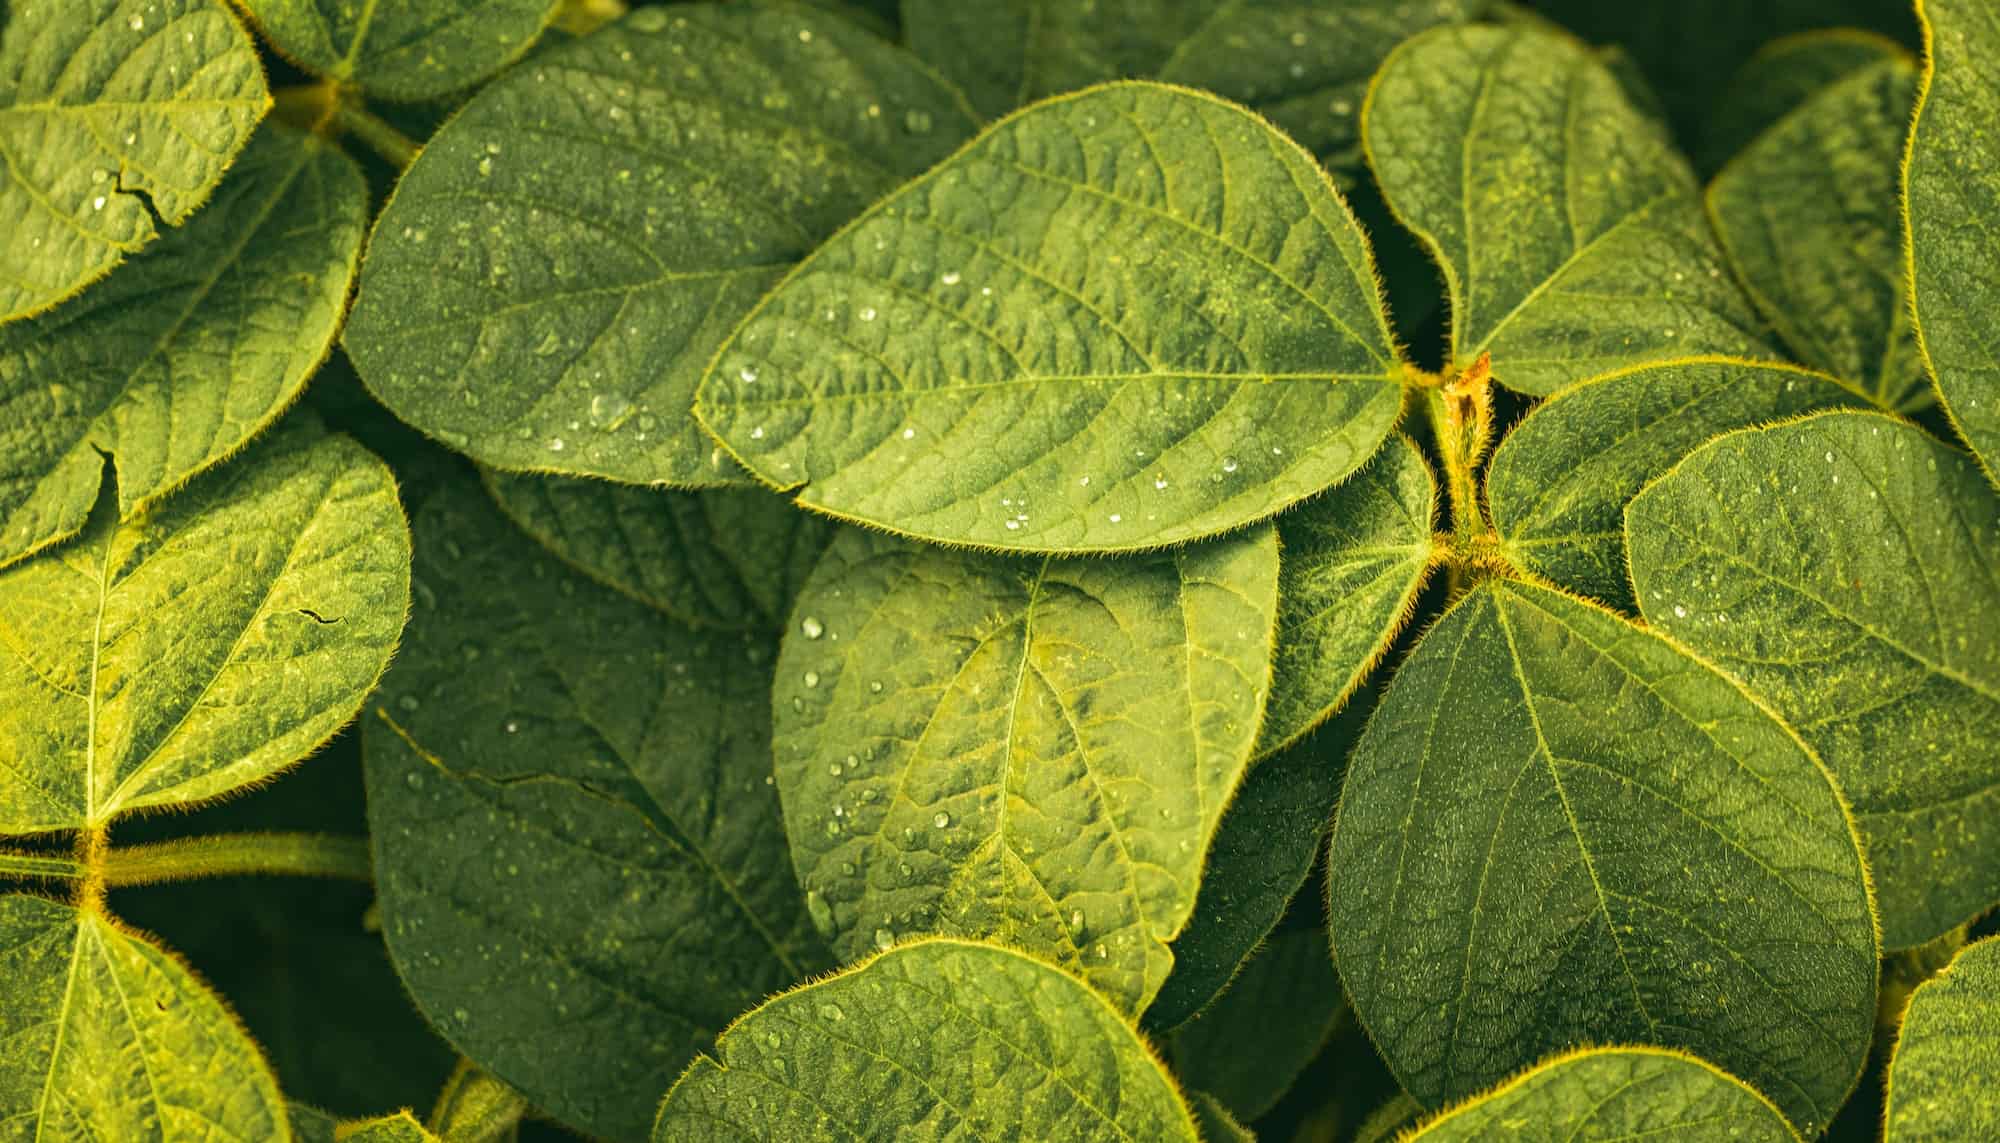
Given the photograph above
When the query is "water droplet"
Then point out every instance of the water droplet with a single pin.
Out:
(1160, 483)
(757, 434)
(941, 819)
(884, 939)
(875, 687)
(1229, 464)
(867, 313)
(1115, 518)
(513, 727)
(811, 679)
(485, 167)
(1680, 612)
(138, 23)
(606, 408)
(917, 121)
(812, 627)
(820, 912)
(99, 175)
(748, 374)
(407, 702)
(555, 444)
(97, 203)
(949, 278)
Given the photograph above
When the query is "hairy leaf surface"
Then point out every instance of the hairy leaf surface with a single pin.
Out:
(194, 348)
(1215, 1123)
(1007, 53)
(1038, 750)
(1123, 318)
(935, 1039)
(204, 646)
(1951, 188)
(104, 1035)
(1606, 1094)
(559, 265)
(581, 867)
(1559, 483)
(1782, 75)
(1847, 568)
(1559, 828)
(1569, 231)
(402, 49)
(1946, 1070)
(729, 558)
(1248, 1047)
(112, 112)
(1810, 216)
(1353, 562)
(310, 1125)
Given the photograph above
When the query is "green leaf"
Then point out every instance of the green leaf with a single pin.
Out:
(402, 49)
(935, 1039)
(204, 646)
(200, 343)
(1038, 750)
(1390, 1120)
(1615, 1094)
(104, 1035)
(1119, 319)
(1560, 828)
(1559, 483)
(1811, 219)
(1943, 1077)
(559, 265)
(1250, 1045)
(111, 112)
(1783, 75)
(1353, 562)
(1215, 1123)
(1843, 567)
(1260, 855)
(1570, 233)
(731, 558)
(577, 847)
(310, 1125)
(1951, 187)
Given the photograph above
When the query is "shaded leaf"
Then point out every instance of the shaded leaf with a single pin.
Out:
(1947, 1063)
(1951, 187)
(1559, 828)
(1844, 567)
(1248, 1047)
(722, 558)
(1038, 750)
(402, 49)
(1215, 1123)
(581, 867)
(1119, 319)
(1615, 1094)
(1353, 562)
(1811, 218)
(1570, 233)
(1559, 483)
(197, 346)
(558, 267)
(111, 112)
(104, 1035)
(204, 646)
(1782, 75)
(935, 1039)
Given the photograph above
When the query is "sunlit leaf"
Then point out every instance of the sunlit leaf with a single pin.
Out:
(1946, 1070)
(402, 49)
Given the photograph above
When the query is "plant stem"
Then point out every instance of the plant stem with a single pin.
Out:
(1461, 418)
(39, 866)
(349, 117)
(224, 855)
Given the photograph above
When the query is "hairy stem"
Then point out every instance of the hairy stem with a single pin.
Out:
(226, 855)
(39, 866)
(1461, 418)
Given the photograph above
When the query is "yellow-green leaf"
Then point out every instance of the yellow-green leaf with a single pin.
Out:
(1946, 1070)
(402, 49)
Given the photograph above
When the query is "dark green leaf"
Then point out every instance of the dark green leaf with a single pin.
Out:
(402, 49)
(1215, 1123)
(1946, 1070)
(1602, 1095)
(1782, 75)
(1248, 1047)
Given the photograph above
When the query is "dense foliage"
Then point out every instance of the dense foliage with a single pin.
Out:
(1286, 569)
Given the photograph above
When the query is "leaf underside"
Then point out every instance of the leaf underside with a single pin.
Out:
(1615, 1094)
(402, 49)
(1943, 1076)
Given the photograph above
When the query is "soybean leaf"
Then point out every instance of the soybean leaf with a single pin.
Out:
(1613, 1094)
(1811, 220)
(1120, 319)
(1390, 1121)
(204, 646)
(310, 1125)
(938, 1038)
(730, 558)
(104, 1035)
(111, 112)
(1267, 843)
(1951, 190)
(1570, 233)
(1353, 562)
(1214, 1123)
(1844, 567)
(1248, 1047)
(1038, 750)
(558, 266)
(1943, 1076)
(402, 49)
(198, 345)
(1560, 480)
(1782, 75)
(577, 847)
(1561, 828)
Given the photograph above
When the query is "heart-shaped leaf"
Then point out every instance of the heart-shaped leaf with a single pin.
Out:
(1943, 1077)
(1844, 567)
(559, 265)
(112, 112)
(1034, 749)
(1560, 828)
(205, 645)
(104, 1035)
(935, 1039)
(402, 49)
(1119, 319)
(1599, 1095)
(192, 349)
(1569, 231)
